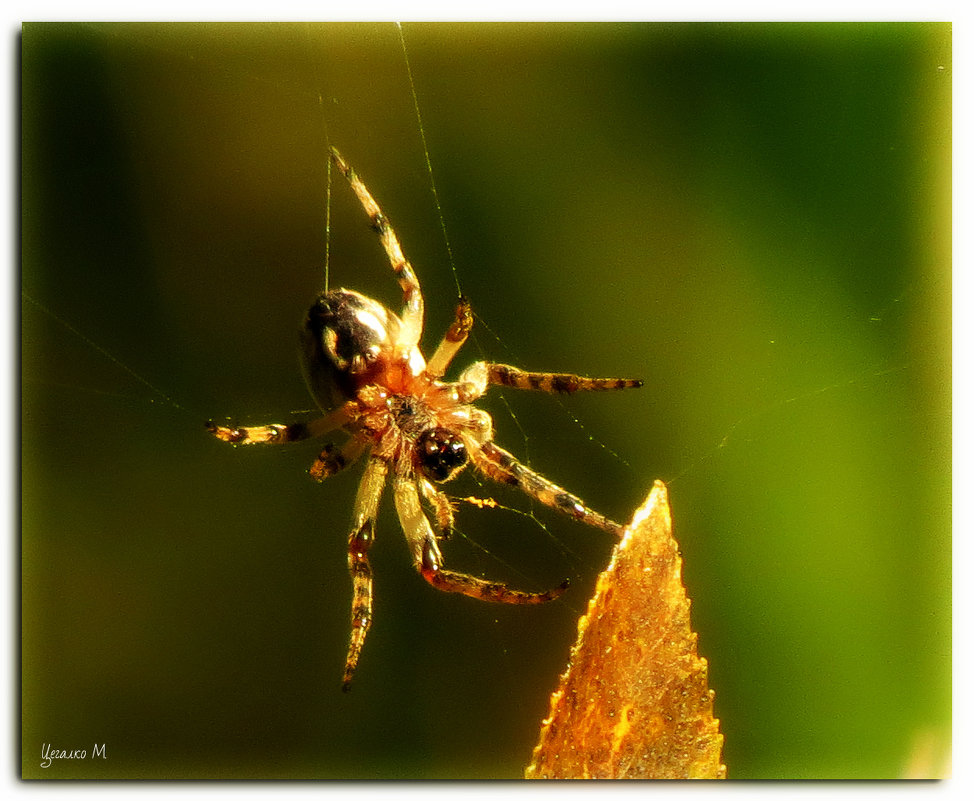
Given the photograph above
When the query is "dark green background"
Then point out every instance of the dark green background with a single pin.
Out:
(752, 218)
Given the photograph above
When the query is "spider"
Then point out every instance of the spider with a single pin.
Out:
(364, 368)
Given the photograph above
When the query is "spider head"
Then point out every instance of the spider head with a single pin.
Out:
(440, 454)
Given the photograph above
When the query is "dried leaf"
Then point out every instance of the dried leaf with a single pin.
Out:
(634, 701)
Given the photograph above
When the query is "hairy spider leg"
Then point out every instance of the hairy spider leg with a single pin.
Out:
(277, 433)
(333, 459)
(360, 539)
(452, 341)
(412, 314)
(429, 561)
(508, 376)
(475, 380)
(499, 465)
(442, 507)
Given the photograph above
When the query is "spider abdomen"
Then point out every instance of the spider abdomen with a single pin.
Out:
(347, 342)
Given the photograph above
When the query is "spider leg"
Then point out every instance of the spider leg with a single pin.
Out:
(428, 559)
(452, 341)
(278, 433)
(482, 374)
(333, 459)
(442, 507)
(359, 541)
(412, 315)
(501, 466)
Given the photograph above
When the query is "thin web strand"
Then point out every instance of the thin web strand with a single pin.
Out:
(446, 238)
(426, 155)
(99, 349)
(327, 222)
(328, 177)
(733, 433)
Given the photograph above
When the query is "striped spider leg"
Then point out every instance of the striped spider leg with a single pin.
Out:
(364, 368)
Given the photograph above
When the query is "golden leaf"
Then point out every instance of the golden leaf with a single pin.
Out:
(634, 702)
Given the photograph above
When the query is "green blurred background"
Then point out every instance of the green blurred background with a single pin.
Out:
(752, 218)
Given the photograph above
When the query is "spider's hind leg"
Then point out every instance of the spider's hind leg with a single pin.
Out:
(270, 434)
(412, 296)
(501, 466)
(453, 340)
(279, 433)
(441, 505)
(359, 541)
(333, 459)
(495, 591)
(428, 559)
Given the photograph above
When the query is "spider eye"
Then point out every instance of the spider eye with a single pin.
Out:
(440, 454)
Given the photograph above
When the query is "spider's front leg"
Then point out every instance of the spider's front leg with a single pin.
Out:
(428, 560)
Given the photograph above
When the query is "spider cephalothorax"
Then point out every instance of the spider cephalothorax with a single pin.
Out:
(366, 372)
